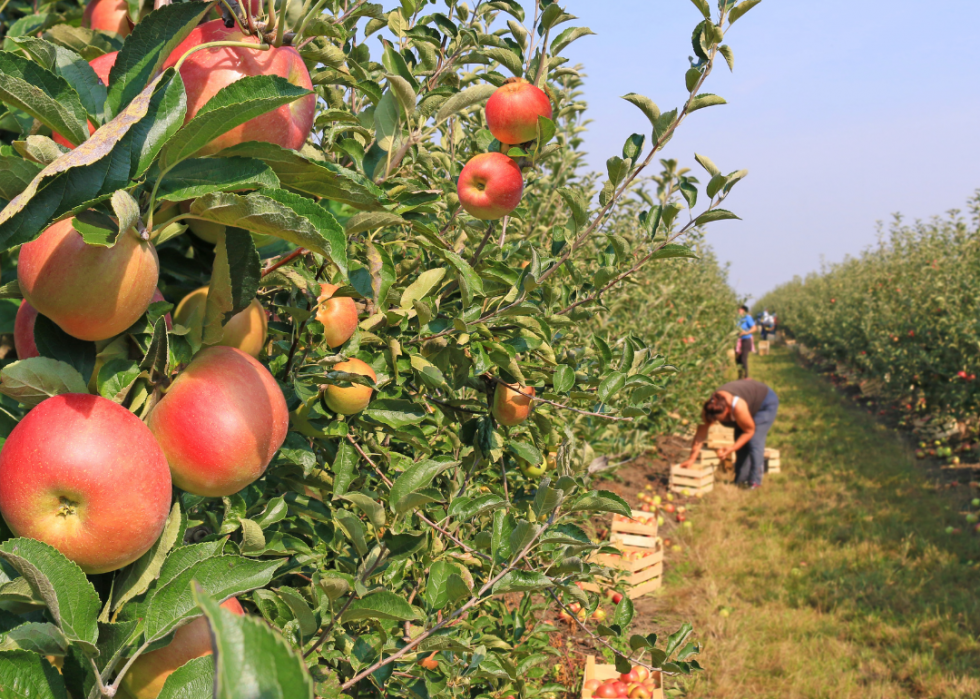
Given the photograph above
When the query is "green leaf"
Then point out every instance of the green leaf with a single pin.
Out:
(690, 194)
(352, 527)
(470, 283)
(577, 204)
(232, 106)
(436, 590)
(30, 381)
(375, 511)
(567, 37)
(705, 100)
(158, 353)
(714, 215)
(136, 578)
(70, 598)
(729, 55)
(706, 162)
(317, 178)
(193, 680)
(235, 279)
(672, 250)
(416, 477)
(15, 174)
(465, 509)
(116, 378)
(505, 57)
(624, 612)
(424, 285)
(196, 177)
(645, 105)
(383, 604)
(600, 501)
(611, 385)
(740, 9)
(703, 7)
(344, 467)
(397, 414)
(522, 581)
(563, 379)
(404, 92)
(44, 95)
(70, 66)
(223, 576)
(281, 214)
(525, 451)
(26, 675)
(524, 533)
(145, 51)
(372, 220)
(301, 611)
(251, 659)
(38, 637)
(461, 100)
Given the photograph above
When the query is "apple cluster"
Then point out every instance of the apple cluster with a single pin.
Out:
(491, 184)
(638, 683)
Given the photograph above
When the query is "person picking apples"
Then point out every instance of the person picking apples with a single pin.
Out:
(750, 407)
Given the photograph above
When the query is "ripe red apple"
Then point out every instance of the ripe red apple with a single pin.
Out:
(490, 186)
(149, 671)
(347, 401)
(681, 517)
(607, 690)
(591, 685)
(220, 422)
(102, 66)
(339, 316)
(642, 673)
(245, 331)
(513, 110)
(617, 598)
(24, 331)
(511, 407)
(204, 73)
(669, 507)
(108, 16)
(85, 475)
(640, 692)
(91, 292)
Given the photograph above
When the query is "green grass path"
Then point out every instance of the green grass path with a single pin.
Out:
(837, 578)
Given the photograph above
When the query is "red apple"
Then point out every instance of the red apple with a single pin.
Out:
(490, 186)
(149, 671)
(511, 407)
(681, 517)
(642, 673)
(24, 331)
(90, 291)
(245, 331)
(85, 475)
(102, 66)
(513, 110)
(617, 598)
(591, 685)
(207, 71)
(338, 315)
(607, 690)
(640, 692)
(220, 422)
(347, 401)
(108, 16)
(669, 507)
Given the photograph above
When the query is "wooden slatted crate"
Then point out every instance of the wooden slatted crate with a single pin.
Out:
(720, 436)
(640, 568)
(692, 480)
(763, 347)
(605, 671)
(642, 523)
(772, 461)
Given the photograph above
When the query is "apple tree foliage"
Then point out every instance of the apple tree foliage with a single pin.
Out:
(375, 540)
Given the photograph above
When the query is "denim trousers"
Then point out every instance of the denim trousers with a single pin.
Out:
(750, 460)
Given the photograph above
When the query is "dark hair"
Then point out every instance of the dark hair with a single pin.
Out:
(715, 407)
(744, 308)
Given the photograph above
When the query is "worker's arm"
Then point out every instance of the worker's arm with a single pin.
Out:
(699, 436)
(743, 418)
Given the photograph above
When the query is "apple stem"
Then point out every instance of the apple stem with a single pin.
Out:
(221, 44)
(234, 14)
(280, 26)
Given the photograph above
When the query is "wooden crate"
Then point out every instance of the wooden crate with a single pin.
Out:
(643, 574)
(642, 523)
(763, 347)
(772, 461)
(604, 671)
(720, 436)
(692, 480)
(790, 343)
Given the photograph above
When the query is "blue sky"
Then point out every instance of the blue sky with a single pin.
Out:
(844, 111)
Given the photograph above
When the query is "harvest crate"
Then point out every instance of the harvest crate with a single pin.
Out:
(604, 671)
(692, 480)
(707, 457)
(763, 347)
(772, 461)
(642, 523)
(643, 566)
(720, 436)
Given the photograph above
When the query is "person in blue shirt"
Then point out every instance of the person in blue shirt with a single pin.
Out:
(744, 346)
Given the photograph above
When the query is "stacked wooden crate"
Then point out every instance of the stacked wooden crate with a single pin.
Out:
(763, 347)
(693, 481)
(772, 461)
(605, 671)
(640, 561)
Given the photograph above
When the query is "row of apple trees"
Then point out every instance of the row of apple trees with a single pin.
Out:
(403, 532)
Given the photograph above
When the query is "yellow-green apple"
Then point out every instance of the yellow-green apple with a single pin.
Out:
(90, 291)
(24, 331)
(209, 70)
(338, 315)
(490, 186)
(347, 401)
(512, 403)
(86, 476)
(108, 16)
(102, 66)
(220, 423)
(513, 110)
(149, 671)
(246, 330)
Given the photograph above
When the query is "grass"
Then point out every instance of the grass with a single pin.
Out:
(837, 577)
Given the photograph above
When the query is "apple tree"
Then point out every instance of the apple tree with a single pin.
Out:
(360, 341)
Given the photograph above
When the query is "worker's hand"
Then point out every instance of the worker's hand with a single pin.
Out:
(688, 464)
(723, 452)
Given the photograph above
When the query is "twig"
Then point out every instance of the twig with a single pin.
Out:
(483, 244)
